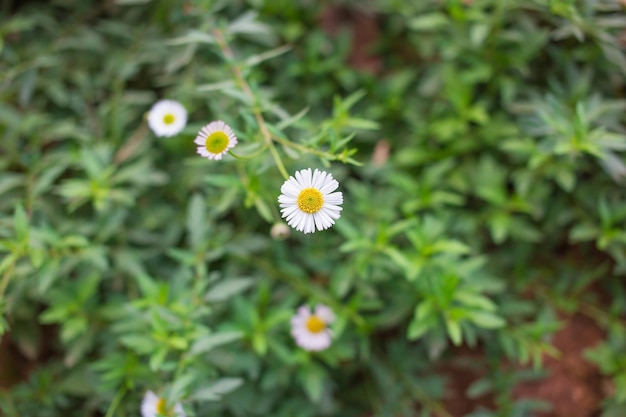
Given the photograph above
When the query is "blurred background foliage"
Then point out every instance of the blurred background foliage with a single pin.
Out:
(478, 145)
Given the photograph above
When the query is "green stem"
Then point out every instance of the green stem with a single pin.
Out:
(245, 87)
(246, 157)
(116, 402)
(279, 161)
(5, 280)
(305, 149)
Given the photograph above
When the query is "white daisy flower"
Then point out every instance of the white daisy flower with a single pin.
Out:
(153, 406)
(307, 202)
(167, 118)
(311, 331)
(215, 139)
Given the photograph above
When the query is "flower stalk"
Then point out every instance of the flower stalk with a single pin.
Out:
(256, 110)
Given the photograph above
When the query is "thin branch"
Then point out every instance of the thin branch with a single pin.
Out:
(245, 87)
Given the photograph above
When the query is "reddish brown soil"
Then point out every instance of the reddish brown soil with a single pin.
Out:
(364, 31)
(10, 369)
(574, 386)
(462, 371)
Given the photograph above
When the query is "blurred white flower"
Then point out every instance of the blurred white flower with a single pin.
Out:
(308, 202)
(153, 406)
(311, 331)
(215, 139)
(167, 118)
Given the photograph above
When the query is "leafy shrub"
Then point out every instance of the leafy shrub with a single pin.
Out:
(480, 164)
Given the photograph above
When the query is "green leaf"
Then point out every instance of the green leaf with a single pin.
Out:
(417, 328)
(313, 380)
(566, 179)
(147, 285)
(47, 275)
(208, 342)
(196, 221)
(450, 246)
(20, 222)
(454, 331)
(263, 210)
(218, 389)
(499, 227)
(180, 386)
(479, 388)
(204, 88)
(474, 300)
(138, 343)
(259, 343)
(283, 124)
(583, 233)
(192, 36)
(157, 358)
(429, 22)
(257, 59)
(228, 288)
(486, 320)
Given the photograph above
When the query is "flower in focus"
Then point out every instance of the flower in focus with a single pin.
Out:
(308, 202)
(153, 406)
(310, 330)
(167, 118)
(215, 139)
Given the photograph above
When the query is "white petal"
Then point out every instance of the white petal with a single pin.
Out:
(290, 188)
(300, 220)
(178, 410)
(310, 224)
(329, 187)
(317, 178)
(149, 404)
(324, 313)
(285, 199)
(287, 211)
(334, 215)
(322, 220)
(293, 220)
(300, 178)
(295, 216)
(334, 198)
(304, 223)
(314, 342)
(203, 152)
(332, 207)
(319, 221)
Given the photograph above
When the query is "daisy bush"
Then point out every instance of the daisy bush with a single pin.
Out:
(299, 208)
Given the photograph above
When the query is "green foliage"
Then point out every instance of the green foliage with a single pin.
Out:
(481, 166)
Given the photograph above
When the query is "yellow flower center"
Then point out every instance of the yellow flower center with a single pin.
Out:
(310, 200)
(315, 325)
(216, 142)
(168, 119)
(161, 407)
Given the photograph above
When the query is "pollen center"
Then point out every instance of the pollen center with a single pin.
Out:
(216, 142)
(310, 200)
(161, 407)
(168, 119)
(315, 325)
